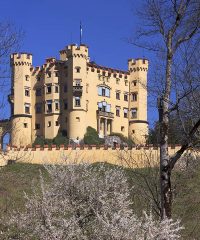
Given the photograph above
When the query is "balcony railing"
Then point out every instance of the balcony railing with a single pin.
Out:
(105, 114)
(77, 90)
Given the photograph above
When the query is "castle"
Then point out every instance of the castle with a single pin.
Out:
(72, 93)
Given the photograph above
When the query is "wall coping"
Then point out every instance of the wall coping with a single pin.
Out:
(85, 147)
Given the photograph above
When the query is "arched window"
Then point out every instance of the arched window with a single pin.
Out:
(103, 91)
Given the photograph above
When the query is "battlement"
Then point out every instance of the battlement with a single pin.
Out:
(21, 59)
(74, 50)
(51, 60)
(139, 64)
(90, 153)
(90, 147)
(106, 71)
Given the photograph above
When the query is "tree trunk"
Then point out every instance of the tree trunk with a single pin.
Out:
(165, 171)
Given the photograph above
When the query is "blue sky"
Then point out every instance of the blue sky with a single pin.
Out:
(50, 25)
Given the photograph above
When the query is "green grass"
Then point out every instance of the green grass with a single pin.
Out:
(15, 179)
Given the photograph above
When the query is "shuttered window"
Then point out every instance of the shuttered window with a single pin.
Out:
(103, 91)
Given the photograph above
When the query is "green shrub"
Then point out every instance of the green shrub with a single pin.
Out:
(60, 140)
(124, 139)
(91, 137)
(39, 141)
(48, 142)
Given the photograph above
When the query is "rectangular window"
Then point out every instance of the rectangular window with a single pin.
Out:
(49, 124)
(77, 102)
(57, 123)
(134, 97)
(56, 105)
(117, 112)
(125, 112)
(27, 108)
(38, 92)
(25, 125)
(126, 97)
(38, 107)
(48, 89)
(108, 108)
(27, 77)
(78, 69)
(37, 126)
(27, 92)
(134, 113)
(118, 95)
(134, 83)
(49, 106)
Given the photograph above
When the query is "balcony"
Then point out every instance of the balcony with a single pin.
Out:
(105, 114)
(77, 91)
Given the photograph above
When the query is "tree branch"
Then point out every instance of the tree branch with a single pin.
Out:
(184, 146)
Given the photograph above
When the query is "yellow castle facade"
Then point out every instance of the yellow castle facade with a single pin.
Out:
(72, 93)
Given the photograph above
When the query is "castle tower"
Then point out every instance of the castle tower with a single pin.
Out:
(138, 125)
(77, 57)
(50, 83)
(21, 100)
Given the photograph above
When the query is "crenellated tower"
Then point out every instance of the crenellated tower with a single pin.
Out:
(21, 99)
(138, 125)
(77, 58)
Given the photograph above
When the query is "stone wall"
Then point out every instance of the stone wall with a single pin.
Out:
(131, 157)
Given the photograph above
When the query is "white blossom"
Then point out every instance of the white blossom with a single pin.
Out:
(83, 202)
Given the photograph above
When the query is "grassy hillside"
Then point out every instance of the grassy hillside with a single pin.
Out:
(18, 178)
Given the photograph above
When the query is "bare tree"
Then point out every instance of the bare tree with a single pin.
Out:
(10, 38)
(171, 25)
(82, 201)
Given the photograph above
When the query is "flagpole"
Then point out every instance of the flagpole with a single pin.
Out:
(80, 33)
